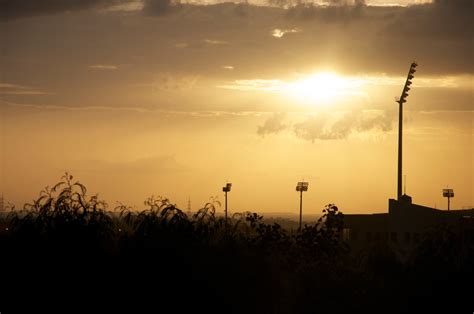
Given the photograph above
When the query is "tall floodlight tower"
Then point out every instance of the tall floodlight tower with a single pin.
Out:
(400, 101)
(189, 206)
(301, 187)
(448, 193)
(226, 189)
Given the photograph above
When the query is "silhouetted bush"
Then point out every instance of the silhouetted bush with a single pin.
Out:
(242, 265)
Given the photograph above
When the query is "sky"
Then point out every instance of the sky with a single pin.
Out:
(174, 99)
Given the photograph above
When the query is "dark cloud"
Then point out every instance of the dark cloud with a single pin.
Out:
(273, 124)
(453, 3)
(438, 35)
(53, 54)
(442, 19)
(324, 126)
(160, 7)
(337, 11)
(10, 9)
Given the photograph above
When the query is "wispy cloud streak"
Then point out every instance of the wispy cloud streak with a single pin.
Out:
(14, 89)
(103, 67)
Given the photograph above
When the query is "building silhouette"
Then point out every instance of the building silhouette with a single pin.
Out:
(405, 225)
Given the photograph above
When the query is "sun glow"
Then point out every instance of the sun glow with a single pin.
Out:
(321, 87)
(327, 88)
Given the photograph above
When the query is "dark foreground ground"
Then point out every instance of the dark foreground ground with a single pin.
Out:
(64, 253)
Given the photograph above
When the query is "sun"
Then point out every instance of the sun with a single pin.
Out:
(321, 87)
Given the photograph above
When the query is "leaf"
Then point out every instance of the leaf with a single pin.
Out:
(83, 188)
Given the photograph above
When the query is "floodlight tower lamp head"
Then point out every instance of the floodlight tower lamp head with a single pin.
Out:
(302, 186)
(448, 193)
(227, 187)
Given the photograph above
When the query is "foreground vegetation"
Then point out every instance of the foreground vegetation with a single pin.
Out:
(67, 245)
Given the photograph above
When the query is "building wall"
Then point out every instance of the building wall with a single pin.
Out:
(404, 226)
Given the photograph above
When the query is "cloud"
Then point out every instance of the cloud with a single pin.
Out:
(346, 2)
(255, 85)
(148, 110)
(385, 40)
(126, 6)
(181, 45)
(215, 42)
(349, 85)
(445, 19)
(172, 82)
(336, 11)
(14, 89)
(324, 126)
(323, 3)
(160, 7)
(228, 67)
(11, 9)
(331, 126)
(273, 124)
(279, 33)
(103, 67)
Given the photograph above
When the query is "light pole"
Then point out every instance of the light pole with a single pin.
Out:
(226, 189)
(402, 100)
(301, 187)
(448, 193)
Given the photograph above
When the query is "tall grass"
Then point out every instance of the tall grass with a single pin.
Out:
(241, 265)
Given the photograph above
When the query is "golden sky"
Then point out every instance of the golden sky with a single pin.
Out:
(173, 98)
